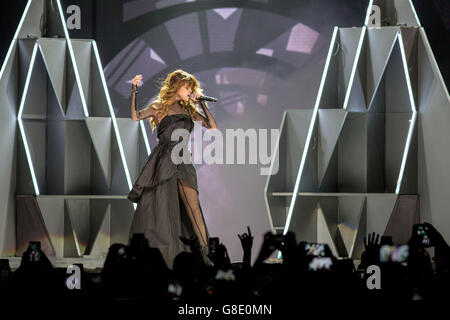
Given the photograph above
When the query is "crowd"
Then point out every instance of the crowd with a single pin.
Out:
(307, 272)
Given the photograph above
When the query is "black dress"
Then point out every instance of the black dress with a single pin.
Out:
(160, 212)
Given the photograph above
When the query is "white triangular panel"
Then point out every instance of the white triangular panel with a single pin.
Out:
(55, 55)
(82, 50)
(99, 101)
(397, 84)
(410, 38)
(25, 48)
(358, 244)
(329, 98)
(78, 211)
(323, 232)
(129, 131)
(330, 125)
(350, 42)
(35, 94)
(355, 99)
(35, 132)
(52, 211)
(379, 45)
(74, 109)
(378, 102)
(350, 212)
(102, 241)
(71, 248)
(100, 130)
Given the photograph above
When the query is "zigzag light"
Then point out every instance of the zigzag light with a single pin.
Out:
(113, 116)
(310, 132)
(19, 118)
(413, 109)
(72, 57)
(13, 42)
(78, 81)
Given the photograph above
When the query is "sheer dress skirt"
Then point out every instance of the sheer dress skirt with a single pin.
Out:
(160, 214)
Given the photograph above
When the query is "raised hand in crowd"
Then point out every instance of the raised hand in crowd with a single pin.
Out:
(218, 254)
(370, 256)
(247, 243)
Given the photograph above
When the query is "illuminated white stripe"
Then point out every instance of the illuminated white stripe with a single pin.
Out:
(414, 113)
(355, 66)
(25, 12)
(369, 10)
(405, 69)
(19, 118)
(415, 13)
(72, 57)
(113, 116)
(144, 135)
(310, 131)
(277, 147)
(11, 46)
(372, 98)
(405, 153)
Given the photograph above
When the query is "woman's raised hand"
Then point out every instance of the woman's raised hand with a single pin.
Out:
(136, 81)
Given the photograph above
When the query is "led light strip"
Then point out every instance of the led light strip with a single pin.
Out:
(74, 62)
(19, 118)
(10, 49)
(276, 151)
(310, 131)
(355, 65)
(413, 109)
(11, 46)
(405, 153)
(405, 68)
(415, 13)
(369, 10)
(113, 116)
(144, 135)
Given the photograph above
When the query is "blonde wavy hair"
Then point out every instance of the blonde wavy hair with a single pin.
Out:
(167, 94)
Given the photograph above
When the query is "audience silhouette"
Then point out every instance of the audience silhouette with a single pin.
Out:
(307, 272)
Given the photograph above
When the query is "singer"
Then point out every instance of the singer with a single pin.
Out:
(167, 193)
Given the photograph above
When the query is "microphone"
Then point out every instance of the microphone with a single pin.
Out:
(204, 98)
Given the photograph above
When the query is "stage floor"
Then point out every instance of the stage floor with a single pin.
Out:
(92, 264)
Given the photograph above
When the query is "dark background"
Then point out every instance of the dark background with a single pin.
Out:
(259, 57)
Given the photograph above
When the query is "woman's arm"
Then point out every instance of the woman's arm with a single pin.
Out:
(208, 121)
(137, 114)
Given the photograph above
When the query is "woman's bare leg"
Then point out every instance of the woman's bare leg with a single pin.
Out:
(189, 197)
